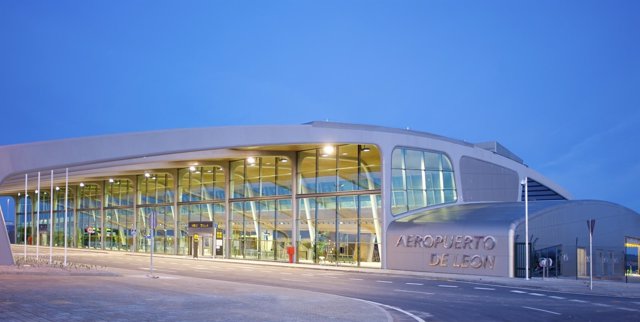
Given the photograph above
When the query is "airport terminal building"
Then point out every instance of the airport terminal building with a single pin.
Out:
(325, 193)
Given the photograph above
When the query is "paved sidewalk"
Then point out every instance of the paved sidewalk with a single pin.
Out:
(559, 284)
(562, 284)
(48, 294)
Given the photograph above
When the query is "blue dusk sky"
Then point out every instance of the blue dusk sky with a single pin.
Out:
(556, 82)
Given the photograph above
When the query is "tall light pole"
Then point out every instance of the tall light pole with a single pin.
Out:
(525, 182)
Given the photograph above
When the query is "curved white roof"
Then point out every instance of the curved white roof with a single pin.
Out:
(123, 153)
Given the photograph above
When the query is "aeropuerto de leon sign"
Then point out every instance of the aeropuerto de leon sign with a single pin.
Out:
(457, 251)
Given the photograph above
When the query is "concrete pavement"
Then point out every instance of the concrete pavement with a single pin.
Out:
(53, 294)
(552, 284)
(44, 295)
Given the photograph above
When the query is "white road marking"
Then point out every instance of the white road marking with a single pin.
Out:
(518, 292)
(417, 318)
(485, 288)
(449, 286)
(291, 280)
(600, 304)
(579, 301)
(417, 292)
(414, 283)
(626, 309)
(388, 282)
(558, 297)
(536, 294)
(355, 279)
(541, 310)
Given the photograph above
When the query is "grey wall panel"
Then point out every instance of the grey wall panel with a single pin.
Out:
(484, 181)
(456, 248)
(565, 225)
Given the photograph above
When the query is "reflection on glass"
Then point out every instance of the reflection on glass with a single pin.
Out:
(348, 167)
(340, 230)
(420, 179)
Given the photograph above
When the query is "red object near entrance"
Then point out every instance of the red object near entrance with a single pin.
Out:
(290, 251)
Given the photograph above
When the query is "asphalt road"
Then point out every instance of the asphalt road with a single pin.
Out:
(406, 298)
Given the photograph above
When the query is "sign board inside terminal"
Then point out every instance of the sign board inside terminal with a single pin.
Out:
(201, 224)
(201, 227)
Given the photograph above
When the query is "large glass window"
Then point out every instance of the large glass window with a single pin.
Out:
(89, 221)
(119, 220)
(58, 219)
(260, 177)
(213, 212)
(164, 229)
(155, 188)
(201, 184)
(348, 167)
(119, 228)
(261, 229)
(632, 260)
(420, 179)
(118, 193)
(340, 230)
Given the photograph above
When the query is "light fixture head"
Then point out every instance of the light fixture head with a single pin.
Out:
(284, 160)
(81, 184)
(37, 192)
(251, 160)
(328, 149)
(192, 168)
(365, 148)
(57, 188)
(147, 174)
(111, 180)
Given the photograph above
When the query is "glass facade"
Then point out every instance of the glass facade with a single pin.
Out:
(261, 230)
(119, 221)
(339, 222)
(340, 229)
(338, 218)
(89, 220)
(420, 179)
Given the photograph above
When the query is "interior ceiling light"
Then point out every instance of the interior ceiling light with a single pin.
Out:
(37, 192)
(284, 160)
(365, 149)
(81, 184)
(110, 180)
(147, 174)
(251, 160)
(57, 188)
(192, 168)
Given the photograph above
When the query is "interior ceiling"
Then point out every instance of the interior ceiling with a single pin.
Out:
(105, 170)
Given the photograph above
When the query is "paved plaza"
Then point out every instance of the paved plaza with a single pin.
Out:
(121, 295)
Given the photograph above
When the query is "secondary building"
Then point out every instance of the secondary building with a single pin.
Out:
(325, 193)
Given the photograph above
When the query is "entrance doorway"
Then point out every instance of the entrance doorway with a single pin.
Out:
(582, 262)
(202, 245)
(631, 258)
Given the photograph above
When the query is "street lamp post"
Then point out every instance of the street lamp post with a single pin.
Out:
(525, 182)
